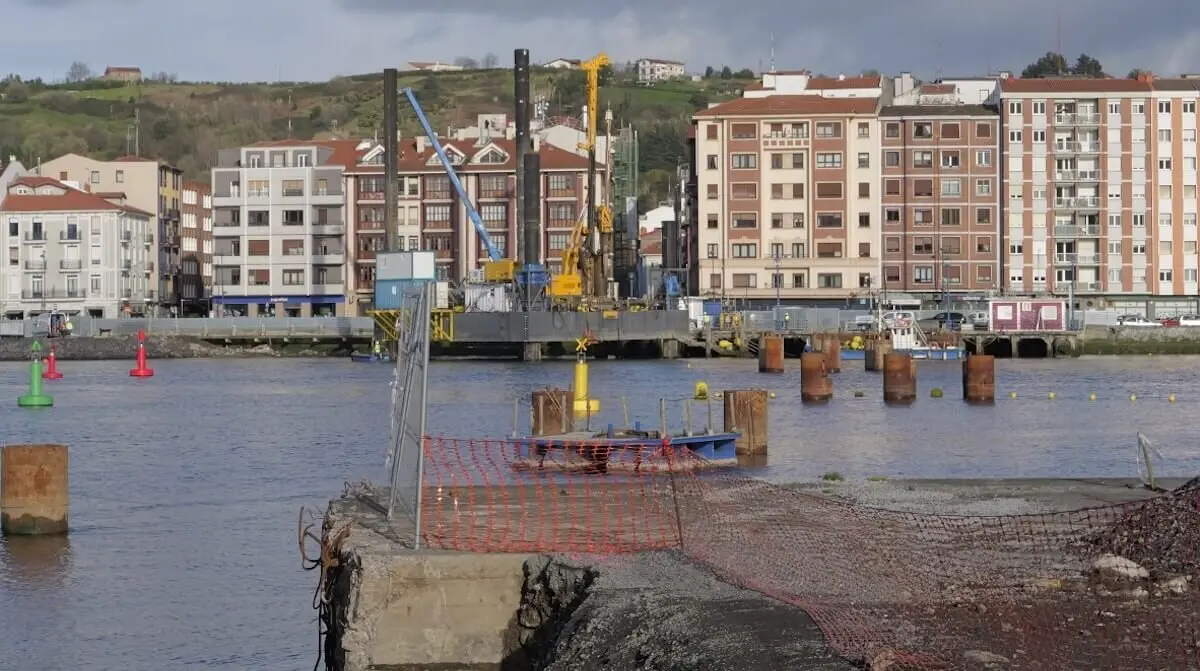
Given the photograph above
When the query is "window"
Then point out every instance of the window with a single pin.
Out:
(923, 188)
(952, 246)
(891, 245)
(1164, 107)
(1014, 136)
(891, 159)
(864, 219)
(711, 191)
(713, 250)
(1164, 219)
(983, 187)
(303, 160)
(1139, 248)
(950, 131)
(1164, 164)
(983, 245)
(777, 250)
(120, 180)
(1189, 107)
(951, 187)
(743, 131)
(829, 190)
(743, 161)
(494, 215)
(493, 186)
(923, 275)
(891, 215)
(437, 214)
(745, 280)
(922, 245)
(293, 187)
(711, 131)
(983, 216)
(1039, 137)
(1189, 134)
(922, 130)
(864, 160)
(745, 220)
(258, 188)
(950, 159)
(713, 221)
(891, 274)
(1114, 248)
(951, 216)
(891, 187)
(892, 129)
(864, 189)
(829, 160)
(1016, 248)
(1164, 135)
(293, 278)
(1164, 276)
(787, 191)
(829, 280)
(745, 250)
(714, 281)
(560, 186)
(744, 191)
(923, 216)
(829, 220)
(1114, 109)
(258, 248)
(95, 283)
(828, 129)
(922, 159)
(983, 129)
(1139, 221)
(864, 129)
(864, 250)
(798, 250)
(712, 162)
(799, 280)
(1014, 107)
(1164, 247)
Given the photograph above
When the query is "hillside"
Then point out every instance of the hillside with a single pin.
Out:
(186, 123)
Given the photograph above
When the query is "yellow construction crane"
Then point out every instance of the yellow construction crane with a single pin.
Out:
(568, 283)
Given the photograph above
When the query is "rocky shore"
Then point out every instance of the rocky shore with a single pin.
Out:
(78, 348)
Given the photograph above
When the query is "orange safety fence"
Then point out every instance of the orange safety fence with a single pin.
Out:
(898, 590)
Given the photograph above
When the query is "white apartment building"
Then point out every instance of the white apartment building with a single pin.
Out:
(656, 70)
(788, 195)
(279, 230)
(73, 251)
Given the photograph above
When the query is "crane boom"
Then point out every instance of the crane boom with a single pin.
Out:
(492, 251)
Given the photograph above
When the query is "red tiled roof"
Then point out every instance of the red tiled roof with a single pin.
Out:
(553, 158)
(71, 200)
(1074, 85)
(110, 194)
(651, 242)
(790, 105)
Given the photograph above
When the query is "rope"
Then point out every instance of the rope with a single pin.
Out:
(330, 550)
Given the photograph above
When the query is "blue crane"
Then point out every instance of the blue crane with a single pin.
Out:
(493, 252)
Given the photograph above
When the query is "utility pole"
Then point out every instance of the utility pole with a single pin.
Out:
(777, 280)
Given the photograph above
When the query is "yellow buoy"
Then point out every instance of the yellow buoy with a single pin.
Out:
(700, 393)
(584, 407)
(770, 394)
(1133, 397)
(1050, 396)
(936, 392)
(1092, 397)
(1012, 395)
(1171, 398)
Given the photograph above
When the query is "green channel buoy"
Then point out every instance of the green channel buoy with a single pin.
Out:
(35, 398)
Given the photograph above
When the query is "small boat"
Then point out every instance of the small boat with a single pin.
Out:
(367, 357)
(908, 338)
(626, 450)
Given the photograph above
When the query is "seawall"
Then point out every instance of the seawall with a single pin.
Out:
(1140, 340)
(112, 348)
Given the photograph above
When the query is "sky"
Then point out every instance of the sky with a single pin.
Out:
(303, 40)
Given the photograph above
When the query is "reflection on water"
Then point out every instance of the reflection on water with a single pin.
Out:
(185, 486)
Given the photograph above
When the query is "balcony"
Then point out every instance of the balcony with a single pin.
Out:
(328, 229)
(70, 264)
(52, 294)
(69, 236)
(126, 236)
(171, 215)
(1076, 147)
(1077, 119)
(126, 265)
(1077, 176)
(329, 289)
(149, 240)
(35, 236)
(1077, 203)
(170, 238)
(1077, 259)
(329, 257)
(370, 196)
(1076, 231)
(220, 259)
(36, 265)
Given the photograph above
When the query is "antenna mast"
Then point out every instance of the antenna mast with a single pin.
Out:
(771, 63)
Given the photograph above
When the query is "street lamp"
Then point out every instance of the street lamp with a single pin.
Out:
(777, 280)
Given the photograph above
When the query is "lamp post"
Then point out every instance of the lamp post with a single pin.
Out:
(777, 280)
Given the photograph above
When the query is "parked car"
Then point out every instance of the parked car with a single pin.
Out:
(1170, 321)
(950, 321)
(890, 318)
(1137, 321)
(980, 320)
(1189, 320)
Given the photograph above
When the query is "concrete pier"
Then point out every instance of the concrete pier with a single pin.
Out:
(979, 378)
(551, 412)
(770, 354)
(34, 492)
(746, 413)
(899, 379)
(815, 385)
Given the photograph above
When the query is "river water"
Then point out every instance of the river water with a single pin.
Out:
(185, 488)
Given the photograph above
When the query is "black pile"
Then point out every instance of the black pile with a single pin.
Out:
(1162, 534)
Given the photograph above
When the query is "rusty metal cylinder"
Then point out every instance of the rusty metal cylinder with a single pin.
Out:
(746, 413)
(979, 378)
(552, 412)
(833, 354)
(34, 493)
(815, 385)
(876, 350)
(899, 378)
(770, 354)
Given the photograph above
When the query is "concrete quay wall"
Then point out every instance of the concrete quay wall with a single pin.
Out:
(1140, 340)
(116, 348)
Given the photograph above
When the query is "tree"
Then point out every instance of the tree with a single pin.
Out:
(744, 73)
(489, 62)
(1086, 66)
(16, 92)
(466, 63)
(726, 73)
(870, 72)
(79, 72)
(1055, 65)
(709, 72)
(1137, 72)
(699, 100)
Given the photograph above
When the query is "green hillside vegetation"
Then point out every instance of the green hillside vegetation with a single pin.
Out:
(186, 123)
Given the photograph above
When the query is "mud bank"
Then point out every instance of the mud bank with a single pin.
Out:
(78, 348)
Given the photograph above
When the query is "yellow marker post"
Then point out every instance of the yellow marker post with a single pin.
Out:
(585, 407)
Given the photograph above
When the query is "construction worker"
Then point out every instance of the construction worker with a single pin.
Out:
(67, 328)
(378, 349)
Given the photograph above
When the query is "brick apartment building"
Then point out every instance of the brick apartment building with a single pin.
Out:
(195, 275)
(433, 217)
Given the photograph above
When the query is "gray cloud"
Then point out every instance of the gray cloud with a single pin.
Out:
(267, 39)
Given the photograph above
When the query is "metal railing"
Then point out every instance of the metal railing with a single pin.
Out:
(1077, 176)
(1077, 202)
(1076, 231)
(233, 327)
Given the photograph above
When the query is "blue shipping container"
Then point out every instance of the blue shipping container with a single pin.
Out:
(712, 308)
(390, 293)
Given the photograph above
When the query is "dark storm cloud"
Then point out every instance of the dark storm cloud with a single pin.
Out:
(225, 39)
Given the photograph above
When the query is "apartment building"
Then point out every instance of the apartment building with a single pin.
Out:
(941, 184)
(73, 251)
(652, 70)
(787, 190)
(279, 228)
(432, 216)
(195, 249)
(147, 184)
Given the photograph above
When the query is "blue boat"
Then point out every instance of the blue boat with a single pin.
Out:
(364, 357)
(627, 450)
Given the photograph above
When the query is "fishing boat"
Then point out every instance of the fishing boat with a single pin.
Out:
(626, 450)
(367, 357)
(908, 338)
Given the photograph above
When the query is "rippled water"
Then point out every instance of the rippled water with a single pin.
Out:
(185, 488)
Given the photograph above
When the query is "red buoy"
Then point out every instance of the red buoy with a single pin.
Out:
(51, 372)
(141, 370)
